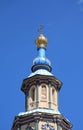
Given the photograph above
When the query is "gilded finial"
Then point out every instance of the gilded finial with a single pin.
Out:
(41, 40)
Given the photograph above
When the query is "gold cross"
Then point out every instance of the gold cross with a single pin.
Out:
(40, 29)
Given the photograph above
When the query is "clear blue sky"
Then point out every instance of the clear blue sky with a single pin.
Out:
(19, 21)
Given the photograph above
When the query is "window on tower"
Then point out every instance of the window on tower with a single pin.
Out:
(53, 95)
(43, 92)
(33, 94)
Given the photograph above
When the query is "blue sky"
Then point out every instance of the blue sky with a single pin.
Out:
(19, 22)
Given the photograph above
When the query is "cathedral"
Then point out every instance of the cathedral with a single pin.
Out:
(41, 90)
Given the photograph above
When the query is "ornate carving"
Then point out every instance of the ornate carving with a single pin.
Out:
(47, 127)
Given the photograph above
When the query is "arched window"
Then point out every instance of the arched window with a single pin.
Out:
(43, 92)
(53, 95)
(33, 94)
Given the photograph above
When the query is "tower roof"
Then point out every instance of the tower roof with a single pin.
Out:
(41, 72)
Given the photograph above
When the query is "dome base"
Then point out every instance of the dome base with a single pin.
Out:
(41, 66)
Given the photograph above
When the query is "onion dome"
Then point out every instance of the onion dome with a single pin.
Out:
(41, 61)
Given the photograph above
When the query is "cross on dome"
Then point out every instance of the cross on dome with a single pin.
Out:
(41, 27)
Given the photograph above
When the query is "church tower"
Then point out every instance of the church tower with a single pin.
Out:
(41, 90)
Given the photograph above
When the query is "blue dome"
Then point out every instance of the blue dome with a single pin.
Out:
(41, 60)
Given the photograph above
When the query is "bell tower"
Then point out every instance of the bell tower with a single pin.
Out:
(41, 90)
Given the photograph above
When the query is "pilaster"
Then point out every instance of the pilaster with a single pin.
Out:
(26, 101)
(37, 102)
(18, 127)
(58, 127)
(37, 124)
(49, 95)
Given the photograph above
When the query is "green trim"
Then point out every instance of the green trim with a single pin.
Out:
(27, 129)
(19, 128)
(57, 98)
(49, 96)
(37, 95)
(26, 101)
(36, 125)
(58, 127)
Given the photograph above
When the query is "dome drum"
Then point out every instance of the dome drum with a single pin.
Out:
(41, 66)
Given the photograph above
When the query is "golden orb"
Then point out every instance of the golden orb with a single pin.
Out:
(41, 41)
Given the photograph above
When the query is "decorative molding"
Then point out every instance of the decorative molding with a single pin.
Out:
(27, 83)
(55, 118)
(47, 127)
